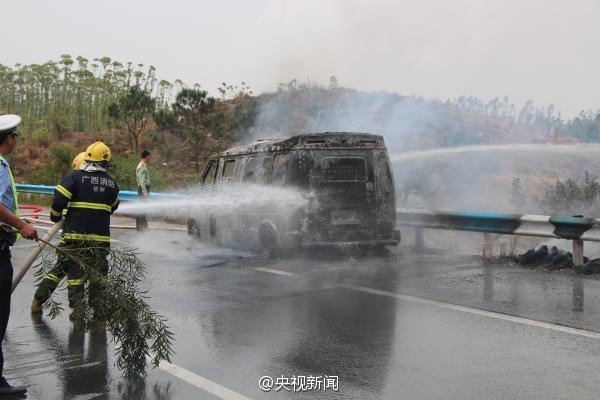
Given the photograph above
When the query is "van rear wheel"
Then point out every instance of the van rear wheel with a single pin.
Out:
(193, 229)
(269, 243)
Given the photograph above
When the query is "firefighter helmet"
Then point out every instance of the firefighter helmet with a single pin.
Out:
(78, 160)
(97, 152)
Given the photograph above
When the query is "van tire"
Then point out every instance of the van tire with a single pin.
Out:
(269, 243)
(193, 228)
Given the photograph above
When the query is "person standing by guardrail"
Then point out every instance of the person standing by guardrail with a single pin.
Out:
(8, 215)
(143, 181)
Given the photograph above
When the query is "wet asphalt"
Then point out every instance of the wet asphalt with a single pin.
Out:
(237, 318)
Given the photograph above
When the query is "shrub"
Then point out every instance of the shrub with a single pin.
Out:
(61, 156)
(123, 171)
(41, 137)
(573, 196)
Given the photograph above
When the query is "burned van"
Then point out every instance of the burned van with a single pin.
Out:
(345, 179)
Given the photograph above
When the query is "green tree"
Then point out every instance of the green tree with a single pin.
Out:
(194, 109)
(166, 123)
(234, 113)
(59, 123)
(133, 110)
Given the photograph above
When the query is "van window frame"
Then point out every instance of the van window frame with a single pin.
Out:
(265, 178)
(230, 178)
(271, 175)
(357, 157)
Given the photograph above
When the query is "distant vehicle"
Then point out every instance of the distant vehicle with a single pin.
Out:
(346, 178)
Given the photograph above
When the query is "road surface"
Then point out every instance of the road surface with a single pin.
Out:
(402, 326)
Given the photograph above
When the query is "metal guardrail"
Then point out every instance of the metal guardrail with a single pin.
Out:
(124, 195)
(575, 228)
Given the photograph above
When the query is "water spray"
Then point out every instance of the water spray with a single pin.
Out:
(515, 147)
(223, 199)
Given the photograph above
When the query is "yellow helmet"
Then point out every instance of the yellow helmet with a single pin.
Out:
(97, 152)
(78, 160)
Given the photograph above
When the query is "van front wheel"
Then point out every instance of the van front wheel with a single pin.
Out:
(269, 243)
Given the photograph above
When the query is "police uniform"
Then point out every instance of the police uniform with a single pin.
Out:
(8, 198)
(91, 196)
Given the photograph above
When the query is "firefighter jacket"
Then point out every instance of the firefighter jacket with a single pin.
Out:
(91, 197)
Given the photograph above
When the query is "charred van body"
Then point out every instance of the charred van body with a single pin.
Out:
(346, 178)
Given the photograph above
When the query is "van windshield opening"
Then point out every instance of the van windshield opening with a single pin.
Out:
(344, 169)
(209, 175)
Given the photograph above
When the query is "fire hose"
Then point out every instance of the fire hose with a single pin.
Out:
(20, 273)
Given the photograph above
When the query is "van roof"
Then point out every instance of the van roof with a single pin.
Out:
(324, 140)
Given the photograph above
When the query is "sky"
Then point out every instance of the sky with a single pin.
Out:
(543, 50)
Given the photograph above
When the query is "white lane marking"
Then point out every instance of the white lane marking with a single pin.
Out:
(200, 382)
(91, 364)
(476, 311)
(468, 310)
(274, 271)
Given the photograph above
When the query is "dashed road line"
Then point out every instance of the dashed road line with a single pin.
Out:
(274, 271)
(201, 382)
(477, 311)
(455, 307)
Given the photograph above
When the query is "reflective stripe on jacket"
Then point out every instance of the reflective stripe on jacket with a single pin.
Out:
(91, 197)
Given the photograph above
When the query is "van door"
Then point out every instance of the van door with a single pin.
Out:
(206, 221)
(386, 198)
(225, 223)
(343, 181)
(256, 171)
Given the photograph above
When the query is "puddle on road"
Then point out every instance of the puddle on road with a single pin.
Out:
(179, 248)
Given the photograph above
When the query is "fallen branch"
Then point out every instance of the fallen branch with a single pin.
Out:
(139, 333)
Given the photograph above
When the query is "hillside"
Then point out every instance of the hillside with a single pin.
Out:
(70, 103)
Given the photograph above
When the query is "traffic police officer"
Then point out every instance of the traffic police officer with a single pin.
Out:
(8, 216)
(52, 279)
(91, 196)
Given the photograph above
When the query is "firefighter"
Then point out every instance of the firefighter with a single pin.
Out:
(91, 196)
(77, 161)
(8, 215)
(52, 279)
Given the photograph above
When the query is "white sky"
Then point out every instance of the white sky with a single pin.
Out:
(544, 50)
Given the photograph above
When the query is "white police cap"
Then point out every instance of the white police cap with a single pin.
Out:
(9, 122)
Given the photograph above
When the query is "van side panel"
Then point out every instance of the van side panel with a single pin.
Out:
(346, 179)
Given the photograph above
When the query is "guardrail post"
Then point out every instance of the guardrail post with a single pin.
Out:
(578, 252)
(419, 240)
(487, 246)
